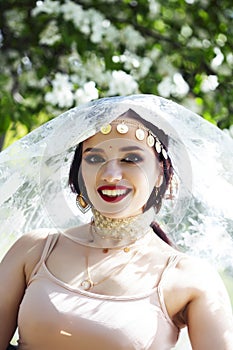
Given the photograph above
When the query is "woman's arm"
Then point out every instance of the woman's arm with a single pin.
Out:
(14, 271)
(209, 314)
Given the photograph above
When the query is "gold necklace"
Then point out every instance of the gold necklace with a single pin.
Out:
(88, 283)
(106, 244)
(118, 229)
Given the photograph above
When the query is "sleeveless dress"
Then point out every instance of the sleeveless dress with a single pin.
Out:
(55, 316)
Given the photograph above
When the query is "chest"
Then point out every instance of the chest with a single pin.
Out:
(53, 315)
(111, 273)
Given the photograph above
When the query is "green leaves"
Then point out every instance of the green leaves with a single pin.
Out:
(52, 50)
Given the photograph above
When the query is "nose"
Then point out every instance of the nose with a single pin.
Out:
(111, 171)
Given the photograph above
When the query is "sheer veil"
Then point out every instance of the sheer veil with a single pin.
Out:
(199, 219)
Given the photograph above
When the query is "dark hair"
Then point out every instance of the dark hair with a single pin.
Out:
(77, 185)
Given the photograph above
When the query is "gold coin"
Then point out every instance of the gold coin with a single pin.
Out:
(106, 129)
(164, 153)
(150, 140)
(140, 134)
(122, 128)
(158, 146)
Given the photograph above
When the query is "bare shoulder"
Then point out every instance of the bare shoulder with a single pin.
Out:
(28, 241)
(208, 302)
(26, 251)
(198, 274)
(193, 279)
(198, 277)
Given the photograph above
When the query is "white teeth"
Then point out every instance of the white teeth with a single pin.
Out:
(113, 193)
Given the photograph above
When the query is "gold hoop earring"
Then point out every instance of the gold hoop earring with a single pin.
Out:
(82, 204)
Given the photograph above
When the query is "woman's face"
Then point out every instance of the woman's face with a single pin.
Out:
(119, 172)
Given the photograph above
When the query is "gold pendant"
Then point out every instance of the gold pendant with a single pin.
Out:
(87, 284)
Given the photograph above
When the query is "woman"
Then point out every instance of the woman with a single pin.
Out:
(116, 282)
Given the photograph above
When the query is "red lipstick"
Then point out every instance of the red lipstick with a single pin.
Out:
(113, 194)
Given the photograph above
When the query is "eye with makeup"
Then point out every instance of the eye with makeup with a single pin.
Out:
(94, 159)
(132, 158)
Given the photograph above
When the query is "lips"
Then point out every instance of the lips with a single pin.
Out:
(113, 194)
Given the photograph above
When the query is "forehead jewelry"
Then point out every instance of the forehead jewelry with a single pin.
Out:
(141, 133)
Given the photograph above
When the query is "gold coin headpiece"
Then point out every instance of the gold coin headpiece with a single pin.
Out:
(141, 133)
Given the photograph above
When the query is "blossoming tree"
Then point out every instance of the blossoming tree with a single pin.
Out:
(58, 54)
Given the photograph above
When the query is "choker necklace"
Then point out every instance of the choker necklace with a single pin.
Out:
(131, 228)
(114, 234)
(110, 233)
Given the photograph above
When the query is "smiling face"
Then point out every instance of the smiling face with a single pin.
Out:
(119, 172)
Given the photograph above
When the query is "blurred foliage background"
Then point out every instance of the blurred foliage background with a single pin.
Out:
(58, 54)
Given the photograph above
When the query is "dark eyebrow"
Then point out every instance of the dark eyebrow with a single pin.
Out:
(122, 149)
(130, 148)
(93, 149)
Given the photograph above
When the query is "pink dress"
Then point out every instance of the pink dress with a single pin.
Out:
(55, 316)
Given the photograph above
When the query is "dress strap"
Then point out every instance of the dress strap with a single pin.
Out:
(172, 262)
(49, 245)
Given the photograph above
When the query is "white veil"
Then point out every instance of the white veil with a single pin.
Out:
(34, 174)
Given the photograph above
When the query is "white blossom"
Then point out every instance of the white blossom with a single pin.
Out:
(95, 69)
(131, 38)
(186, 31)
(229, 59)
(195, 43)
(209, 83)
(46, 6)
(179, 88)
(112, 35)
(50, 35)
(87, 93)
(138, 66)
(89, 22)
(72, 11)
(31, 78)
(75, 13)
(218, 59)
(15, 21)
(61, 93)
(221, 39)
(122, 84)
(165, 68)
(173, 86)
(154, 8)
(98, 26)
(153, 54)
(225, 70)
(145, 66)
(165, 87)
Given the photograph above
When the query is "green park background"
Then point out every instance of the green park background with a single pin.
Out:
(55, 55)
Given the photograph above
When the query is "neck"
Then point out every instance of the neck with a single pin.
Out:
(108, 232)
